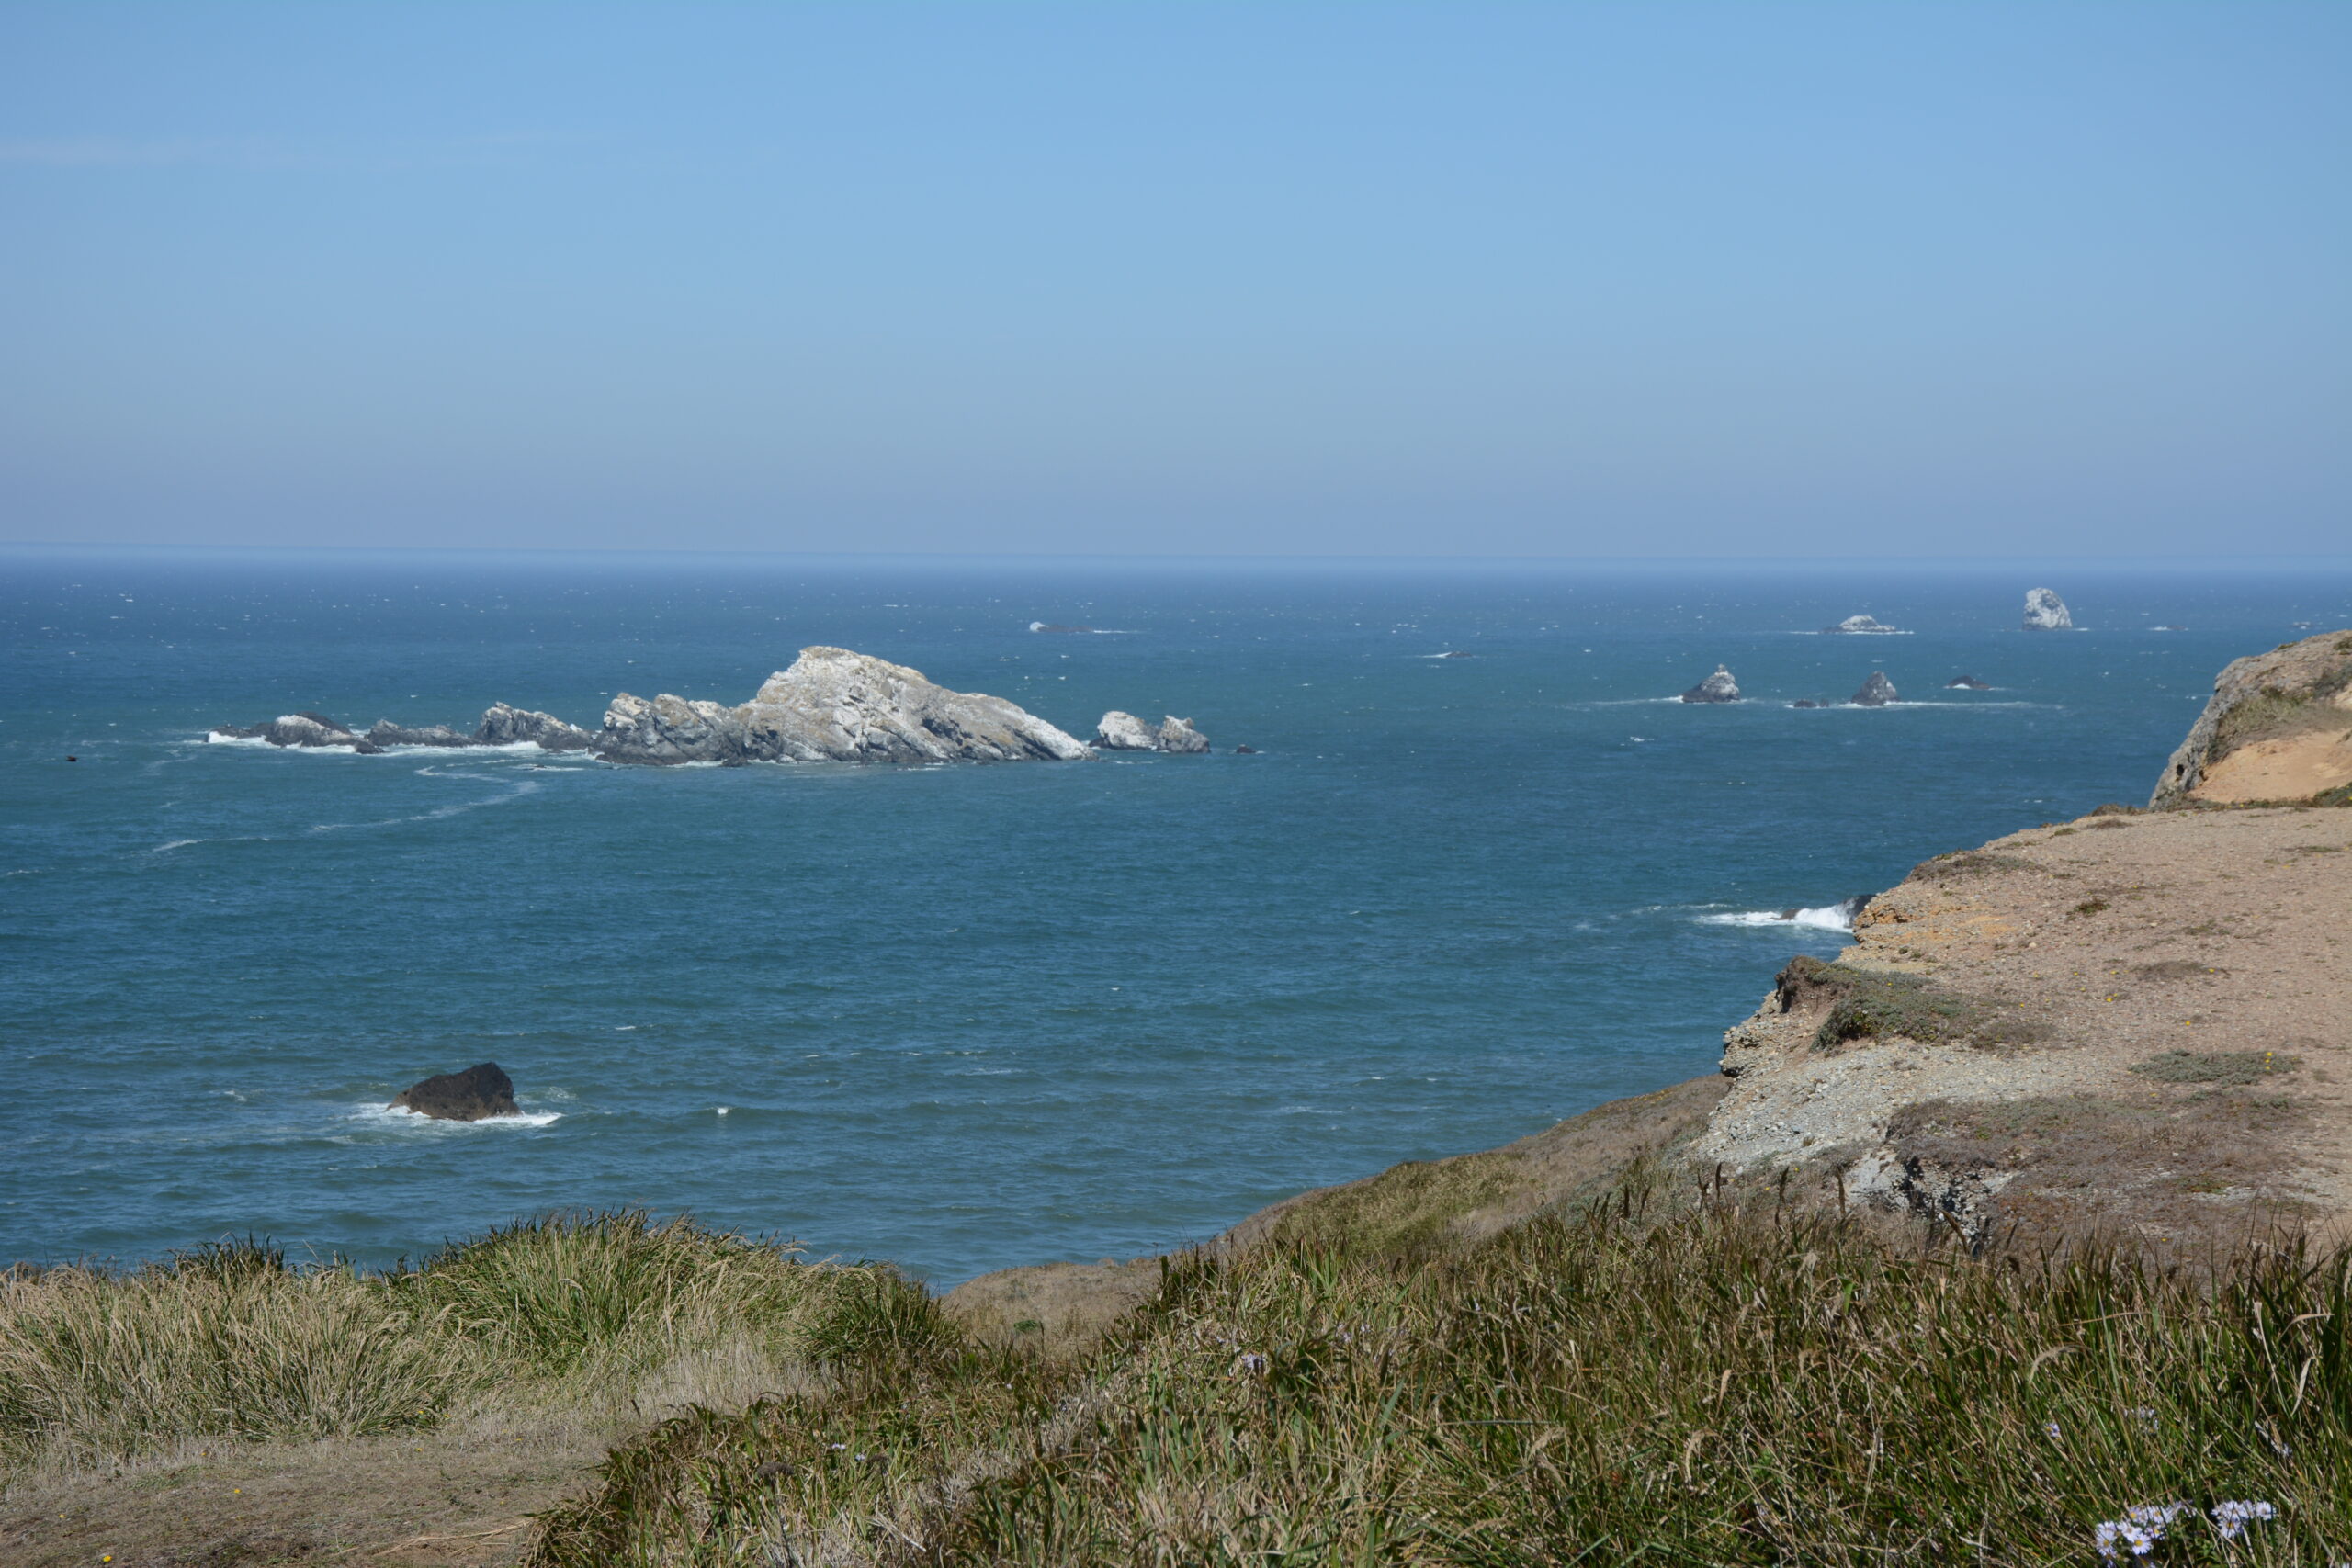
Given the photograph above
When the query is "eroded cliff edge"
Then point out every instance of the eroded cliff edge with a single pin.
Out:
(2141, 1019)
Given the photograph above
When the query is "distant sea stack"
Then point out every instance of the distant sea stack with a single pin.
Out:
(1718, 687)
(2045, 612)
(834, 705)
(1861, 626)
(1877, 693)
(475, 1095)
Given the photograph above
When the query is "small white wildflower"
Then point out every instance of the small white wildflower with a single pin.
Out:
(2155, 1516)
(2115, 1537)
(2145, 1414)
(2230, 1518)
(2051, 1428)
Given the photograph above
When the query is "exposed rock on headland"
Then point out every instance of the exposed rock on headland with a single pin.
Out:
(384, 732)
(475, 1095)
(2045, 612)
(834, 705)
(1876, 692)
(2279, 727)
(1861, 626)
(1718, 687)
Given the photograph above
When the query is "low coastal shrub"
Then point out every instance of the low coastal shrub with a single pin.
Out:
(231, 1341)
(1722, 1384)
(2230, 1069)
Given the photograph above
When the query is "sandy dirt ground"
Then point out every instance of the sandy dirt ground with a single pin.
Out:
(2172, 994)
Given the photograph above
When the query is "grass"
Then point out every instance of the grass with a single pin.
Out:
(1765, 1383)
(1967, 863)
(233, 1342)
(1872, 1005)
(2230, 1069)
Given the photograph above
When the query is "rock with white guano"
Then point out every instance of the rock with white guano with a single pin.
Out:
(1178, 737)
(1718, 687)
(834, 705)
(1876, 692)
(505, 725)
(2045, 612)
(1124, 732)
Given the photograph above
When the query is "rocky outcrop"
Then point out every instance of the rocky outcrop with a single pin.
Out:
(505, 725)
(1967, 684)
(299, 729)
(384, 732)
(478, 1093)
(1861, 626)
(1124, 732)
(1876, 692)
(834, 705)
(1718, 687)
(1178, 738)
(2279, 727)
(1804, 703)
(2045, 612)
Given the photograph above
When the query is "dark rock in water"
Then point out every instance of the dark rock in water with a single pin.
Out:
(1852, 907)
(474, 1095)
(1718, 687)
(1804, 703)
(1877, 693)
(1861, 626)
(1456, 653)
(1967, 684)
(1245, 750)
(505, 725)
(384, 732)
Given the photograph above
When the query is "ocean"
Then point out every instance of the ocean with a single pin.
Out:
(963, 1017)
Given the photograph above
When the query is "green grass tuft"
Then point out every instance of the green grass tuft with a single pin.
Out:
(2230, 1069)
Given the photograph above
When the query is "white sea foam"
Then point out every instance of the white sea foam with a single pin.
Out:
(214, 738)
(176, 844)
(402, 1117)
(1828, 917)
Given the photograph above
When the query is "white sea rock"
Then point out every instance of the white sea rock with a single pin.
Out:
(838, 707)
(1124, 732)
(2045, 612)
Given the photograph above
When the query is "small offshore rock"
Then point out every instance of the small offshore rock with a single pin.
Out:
(306, 729)
(1861, 626)
(505, 725)
(1178, 737)
(1124, 732)
(2045, 612)
(479, 1092)
(1804, 703)
(1245, 750)
(1876, 692)
(1967, 684)
(1718, 687)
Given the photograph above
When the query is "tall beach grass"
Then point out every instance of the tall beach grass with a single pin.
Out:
(232, 1342)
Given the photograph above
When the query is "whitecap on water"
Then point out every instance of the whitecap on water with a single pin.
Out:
(1828, 916)
(401, 1117)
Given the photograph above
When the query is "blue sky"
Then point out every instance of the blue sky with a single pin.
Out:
(1564, 279)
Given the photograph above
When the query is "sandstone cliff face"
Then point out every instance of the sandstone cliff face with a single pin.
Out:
(2279, 727)
(834, 705)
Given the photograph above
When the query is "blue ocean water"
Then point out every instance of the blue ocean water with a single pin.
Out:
(964, 1016)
